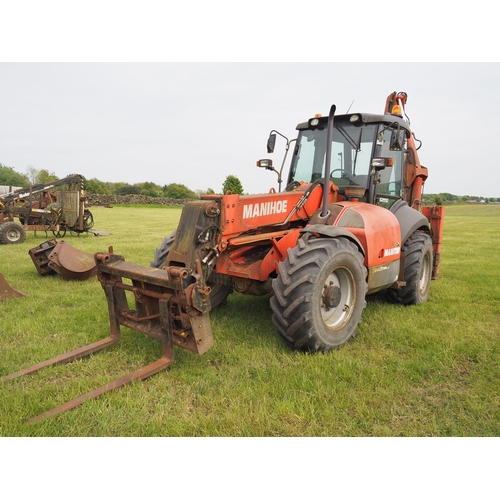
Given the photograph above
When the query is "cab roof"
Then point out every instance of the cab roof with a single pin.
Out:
(365, 118)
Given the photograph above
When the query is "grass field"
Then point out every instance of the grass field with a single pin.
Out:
(430, 370)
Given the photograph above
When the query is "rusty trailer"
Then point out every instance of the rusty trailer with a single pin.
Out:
(58, 206)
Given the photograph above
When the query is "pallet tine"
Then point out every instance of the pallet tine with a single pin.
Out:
(147, 371)
(81, 351)
(64, 358)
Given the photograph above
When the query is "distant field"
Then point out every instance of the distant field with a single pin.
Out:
(430, 370)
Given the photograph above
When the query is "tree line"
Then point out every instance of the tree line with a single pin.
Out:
(447, 198)
(9, 177)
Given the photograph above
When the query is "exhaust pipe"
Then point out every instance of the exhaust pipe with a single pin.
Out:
(328, 160)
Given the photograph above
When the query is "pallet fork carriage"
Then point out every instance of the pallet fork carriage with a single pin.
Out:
(156, 296)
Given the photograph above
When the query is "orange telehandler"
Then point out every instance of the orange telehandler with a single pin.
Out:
(349, 222)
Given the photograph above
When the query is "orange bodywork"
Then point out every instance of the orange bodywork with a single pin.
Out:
(258, 230)
(435, 215)
(376, 228)
(267, 211)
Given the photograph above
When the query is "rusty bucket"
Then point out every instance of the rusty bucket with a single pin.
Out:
(7, 292)
(61, 258)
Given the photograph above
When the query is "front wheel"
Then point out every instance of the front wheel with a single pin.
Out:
(319, 294)
(417, 271)
(12, 232)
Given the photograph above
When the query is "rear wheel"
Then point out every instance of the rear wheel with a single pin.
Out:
(319, 294)
(417, 271)
(88, 220)
(12, 232)
(161, 253)
(218, 292)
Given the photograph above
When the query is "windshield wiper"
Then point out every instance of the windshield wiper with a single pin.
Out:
(349, 139)
(358, 148)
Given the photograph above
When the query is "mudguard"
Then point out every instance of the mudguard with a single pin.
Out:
(376, 232)
(409, 219)
(333, 232)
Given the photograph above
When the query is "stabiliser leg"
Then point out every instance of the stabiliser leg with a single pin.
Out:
(164, 362)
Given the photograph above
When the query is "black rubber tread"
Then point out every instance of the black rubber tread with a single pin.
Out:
(161, 253)
(296, 303)
(218, 294)
(417, 248)
(9, 228)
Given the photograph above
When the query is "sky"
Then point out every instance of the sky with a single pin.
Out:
(188, 92)
(197, 123)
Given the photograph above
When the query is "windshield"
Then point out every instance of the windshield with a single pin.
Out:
(353, 147)
(352, 150)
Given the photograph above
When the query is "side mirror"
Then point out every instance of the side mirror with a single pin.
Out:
(397, 140)
(271, 143)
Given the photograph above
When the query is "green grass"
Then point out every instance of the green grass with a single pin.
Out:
(430, 370)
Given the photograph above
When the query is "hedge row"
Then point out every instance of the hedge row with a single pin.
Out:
(130, 199)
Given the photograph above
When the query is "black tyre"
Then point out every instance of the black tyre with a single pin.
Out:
(12, 232)
(319, 294)
(88, 220)
(417, 273)
(218, 293)
(161, 253)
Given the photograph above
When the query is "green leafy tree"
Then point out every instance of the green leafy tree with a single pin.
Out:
(42, 176)
(201, 192)
(95, 186)
(233, 184)
(448, 197)
(9, 177)
(151, 189)
(46, 177)
(178, 192)
(125, 188)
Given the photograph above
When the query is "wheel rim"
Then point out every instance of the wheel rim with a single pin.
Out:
(13, 234)
(425, 271)
(338, 298)
(59, 234)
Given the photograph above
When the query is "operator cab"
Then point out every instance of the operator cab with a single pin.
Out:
(358, 141)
